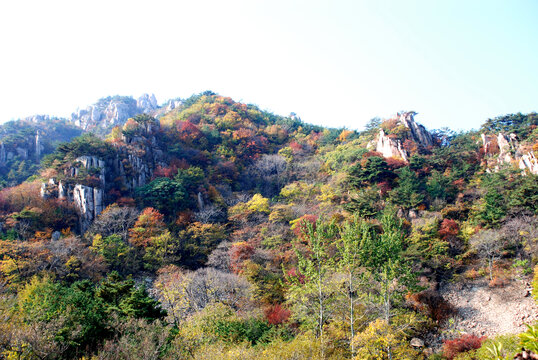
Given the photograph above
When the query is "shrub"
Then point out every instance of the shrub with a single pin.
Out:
(467, 342)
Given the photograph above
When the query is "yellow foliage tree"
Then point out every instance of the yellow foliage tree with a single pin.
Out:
(380, 341)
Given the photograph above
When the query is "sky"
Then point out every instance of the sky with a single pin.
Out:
(334, 63)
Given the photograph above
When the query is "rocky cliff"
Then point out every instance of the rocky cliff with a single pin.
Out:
(91, 183)
(505, 150)
(391, 146)
(112, 111)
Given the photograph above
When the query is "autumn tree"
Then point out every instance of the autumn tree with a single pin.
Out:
(148, 225)
(348, 246)
(186, 292)
(310, 289)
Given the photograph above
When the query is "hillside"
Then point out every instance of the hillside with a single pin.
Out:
(208, 228)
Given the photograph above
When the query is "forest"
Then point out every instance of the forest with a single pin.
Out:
(217, 230)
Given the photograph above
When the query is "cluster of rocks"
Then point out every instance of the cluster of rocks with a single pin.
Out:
(502, 150)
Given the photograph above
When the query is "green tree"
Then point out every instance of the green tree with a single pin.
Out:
(164, 194)
(494, 208)
(352, 235)
(374, 170)
(113, 249)
(310, 292)
(390, 274)
(408, 194)
(123, 298)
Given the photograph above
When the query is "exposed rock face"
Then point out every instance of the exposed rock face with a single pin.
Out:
(30, 148)
(419, 133)
(147, 103)
(528, 161)
(504, 150)
(132, 166)
(393, 147)
(88, 200)
(389, 147)
(113, 111)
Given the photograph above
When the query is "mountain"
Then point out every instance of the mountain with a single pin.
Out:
(209, 228)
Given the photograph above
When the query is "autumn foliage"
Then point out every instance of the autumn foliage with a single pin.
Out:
(466, 342)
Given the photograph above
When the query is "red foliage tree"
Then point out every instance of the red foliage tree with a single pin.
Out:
(276, 314)
(188, 132)
(449, 228)
(394, 163)
(239, 252)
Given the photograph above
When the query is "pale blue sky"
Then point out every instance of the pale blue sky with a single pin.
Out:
(336, 63)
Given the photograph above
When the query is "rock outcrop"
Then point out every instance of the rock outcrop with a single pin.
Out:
(87, 180)
(89, 199)
(147, 103)
(30, 148)
(502, 150)
(392, 147)
(113, 111)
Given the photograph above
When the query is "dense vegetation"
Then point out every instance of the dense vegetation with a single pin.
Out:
(260, 236)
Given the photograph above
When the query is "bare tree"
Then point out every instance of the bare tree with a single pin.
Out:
(185, 292)
(522, 232)
(488, 245)
(115, 220)
(220, 257)
(209, 214)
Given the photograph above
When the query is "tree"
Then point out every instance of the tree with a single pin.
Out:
(148, 225)
(78, 320)
(494, 208)
(164, 194)
(408, 194)
(123, 298)
(310, 288)
(349, 264)
(382, 256)
(113, 249)
(382, 341)
(184, 293)
(162, 250)
(488, 245)
(374, 170)
(114, 220)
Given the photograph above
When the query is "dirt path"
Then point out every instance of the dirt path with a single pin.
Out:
(482, 310)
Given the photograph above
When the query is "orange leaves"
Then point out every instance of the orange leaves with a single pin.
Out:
(344, 135)
(242, 134)
(239, 252)
(448, 228)
(149, 224)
